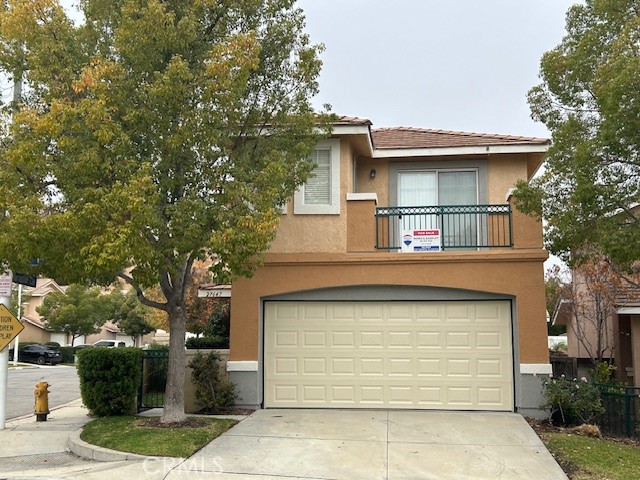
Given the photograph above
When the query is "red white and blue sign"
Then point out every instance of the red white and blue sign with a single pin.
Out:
(421, 240)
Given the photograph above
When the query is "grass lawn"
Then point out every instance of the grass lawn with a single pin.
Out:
(146, 436)
(585, 458)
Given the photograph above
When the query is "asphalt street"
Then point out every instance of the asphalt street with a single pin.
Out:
(64, 387)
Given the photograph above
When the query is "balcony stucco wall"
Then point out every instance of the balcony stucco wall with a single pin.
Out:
(361, 226)
(526, 229)
(318, 233)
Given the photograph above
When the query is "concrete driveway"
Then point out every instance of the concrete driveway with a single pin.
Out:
(369, 445)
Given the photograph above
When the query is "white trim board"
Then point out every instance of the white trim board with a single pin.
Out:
(242, 366)
(362, 196)
(536, 368)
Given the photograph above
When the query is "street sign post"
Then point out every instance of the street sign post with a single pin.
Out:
(10, 329)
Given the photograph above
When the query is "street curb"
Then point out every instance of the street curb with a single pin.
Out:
(70, 403)
(79, 447)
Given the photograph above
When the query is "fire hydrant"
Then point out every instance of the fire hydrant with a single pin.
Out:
(41, 408)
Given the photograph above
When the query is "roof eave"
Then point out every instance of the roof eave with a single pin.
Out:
(466, 150)
(355, 130)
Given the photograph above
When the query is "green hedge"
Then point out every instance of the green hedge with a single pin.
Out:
(109, 379)
(67, 354)
(194, 343)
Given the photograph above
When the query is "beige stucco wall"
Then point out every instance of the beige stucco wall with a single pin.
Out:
(30, 306)
(311, 252)
(303, 233)
(504, 172)
(361, 226)
(31, 333)
(379, 184)
(502, 272)
(321, 233)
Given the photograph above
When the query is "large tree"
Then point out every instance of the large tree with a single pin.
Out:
(78, 311)
(154, 133)
(589, 99)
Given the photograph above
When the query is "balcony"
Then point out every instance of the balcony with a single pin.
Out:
(453, 227)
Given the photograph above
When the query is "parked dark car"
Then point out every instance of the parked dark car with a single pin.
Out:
(39, 354)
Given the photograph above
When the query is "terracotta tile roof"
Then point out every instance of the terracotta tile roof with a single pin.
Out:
(629, 296)
(407, 137)
(345, 120)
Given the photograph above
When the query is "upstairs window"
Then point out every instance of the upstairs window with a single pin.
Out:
(317, 190)
(320, 195)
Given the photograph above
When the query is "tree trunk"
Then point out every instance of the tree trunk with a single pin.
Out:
(174, 393)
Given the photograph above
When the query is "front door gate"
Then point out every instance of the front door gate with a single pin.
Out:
(155, 365)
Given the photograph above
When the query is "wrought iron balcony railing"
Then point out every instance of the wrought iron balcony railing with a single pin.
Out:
(453, 226)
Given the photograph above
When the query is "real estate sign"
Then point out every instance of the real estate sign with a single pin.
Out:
(421, 240)
(5, 284)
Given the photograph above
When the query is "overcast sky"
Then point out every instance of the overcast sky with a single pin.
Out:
(455, 64)
(446, 64)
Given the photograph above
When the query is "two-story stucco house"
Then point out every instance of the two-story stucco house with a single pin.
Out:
(402, 276)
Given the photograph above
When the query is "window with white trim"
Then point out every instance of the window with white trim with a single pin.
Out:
(320, 195)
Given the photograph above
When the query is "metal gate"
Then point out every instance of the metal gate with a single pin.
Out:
(155, 365)
(622, 410)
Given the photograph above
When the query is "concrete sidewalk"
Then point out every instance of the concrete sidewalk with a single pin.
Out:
(30, 449)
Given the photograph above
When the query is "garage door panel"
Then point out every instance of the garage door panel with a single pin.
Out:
(371, 312)
(429, 313)
(395, 355)
(342, 393)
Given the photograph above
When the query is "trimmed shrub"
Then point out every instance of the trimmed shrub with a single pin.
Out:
(213, 393)
(67, 354)
(202, 343)
(109, 379)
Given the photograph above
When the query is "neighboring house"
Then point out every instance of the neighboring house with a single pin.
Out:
(345, 313)
(35, 330)
(619, 335)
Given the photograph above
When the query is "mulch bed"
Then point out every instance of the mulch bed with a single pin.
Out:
(228, 411)
(154, 422)
(541, 427)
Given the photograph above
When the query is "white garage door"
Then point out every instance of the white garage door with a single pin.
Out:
(424, 355)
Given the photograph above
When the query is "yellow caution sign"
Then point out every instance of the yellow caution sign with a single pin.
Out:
(10, 326)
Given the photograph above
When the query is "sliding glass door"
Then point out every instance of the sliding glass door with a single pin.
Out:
(458, 229)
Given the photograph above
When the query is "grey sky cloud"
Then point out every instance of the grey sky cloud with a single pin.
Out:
(456, 64)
